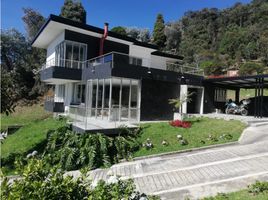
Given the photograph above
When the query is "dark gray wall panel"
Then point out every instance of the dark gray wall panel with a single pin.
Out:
(154, 99)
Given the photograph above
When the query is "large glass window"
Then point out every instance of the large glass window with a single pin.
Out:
(116, 99)
(71, 54)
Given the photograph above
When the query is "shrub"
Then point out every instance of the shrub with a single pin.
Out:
(41, 182)
(251, 68)
(179, 123)
(74, 151)
(258, 187)
(212, 67)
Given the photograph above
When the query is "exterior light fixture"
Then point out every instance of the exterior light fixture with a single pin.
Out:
(149, 71)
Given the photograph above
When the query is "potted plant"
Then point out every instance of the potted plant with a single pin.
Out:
(178, 102)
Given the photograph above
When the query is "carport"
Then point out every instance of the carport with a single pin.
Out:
(257, 82)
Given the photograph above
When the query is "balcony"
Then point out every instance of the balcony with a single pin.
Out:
(122, 65)
(52, 105)
(61, 71)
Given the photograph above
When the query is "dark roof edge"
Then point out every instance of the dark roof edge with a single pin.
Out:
(159, 53)
(90, 28)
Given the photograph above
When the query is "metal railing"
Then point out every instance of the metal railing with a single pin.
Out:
(82, 117)
(73, 64)
(112, 57)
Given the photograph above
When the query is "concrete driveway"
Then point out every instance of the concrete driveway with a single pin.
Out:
(200, 173)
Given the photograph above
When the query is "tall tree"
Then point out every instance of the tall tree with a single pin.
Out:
(8, 95)
(173, 36)
(159, 37)
(119, 29)
(33, 21)
(74, 10)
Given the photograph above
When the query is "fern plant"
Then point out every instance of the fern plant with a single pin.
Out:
(74, 151)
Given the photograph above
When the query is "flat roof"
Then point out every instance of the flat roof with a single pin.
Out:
(236, 82)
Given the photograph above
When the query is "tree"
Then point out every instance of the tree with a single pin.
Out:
(74, 10)
(251, 68)
(144, 35)
(140, 34)
(119, 29)
(33, 21)
(212, 67)
(8, 95)
(173, 35)
(159, 37)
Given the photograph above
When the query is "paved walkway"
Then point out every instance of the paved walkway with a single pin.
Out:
(196, 174)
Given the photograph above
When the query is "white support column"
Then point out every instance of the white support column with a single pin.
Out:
(183, 94)
(202, 101)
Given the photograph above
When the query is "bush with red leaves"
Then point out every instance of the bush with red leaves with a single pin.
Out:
(179, 123)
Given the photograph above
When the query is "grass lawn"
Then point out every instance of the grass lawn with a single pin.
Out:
(24, 115)
(240, 195)
(29, 136)
(244, 93)
(256, 191)
(197, 135)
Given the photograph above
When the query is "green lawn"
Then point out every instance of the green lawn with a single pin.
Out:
(244, 93)
(197, 135)
(24, 115)
(240, 195)
(29, 136)
(256, 191)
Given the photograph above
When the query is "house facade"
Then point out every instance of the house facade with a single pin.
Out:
(98, 75)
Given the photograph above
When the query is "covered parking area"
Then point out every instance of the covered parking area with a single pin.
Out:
(216, 92)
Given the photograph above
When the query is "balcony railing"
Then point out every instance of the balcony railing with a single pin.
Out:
(123, 59)
(73, 64)
(115, 57)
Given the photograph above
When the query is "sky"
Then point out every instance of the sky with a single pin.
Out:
(131, 13)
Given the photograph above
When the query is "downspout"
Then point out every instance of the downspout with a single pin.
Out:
(105, 34)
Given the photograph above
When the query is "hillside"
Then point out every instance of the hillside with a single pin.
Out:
(215, 39)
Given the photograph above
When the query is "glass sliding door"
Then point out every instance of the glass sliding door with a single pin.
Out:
(125, 100)
(134, 101)
(114, 99)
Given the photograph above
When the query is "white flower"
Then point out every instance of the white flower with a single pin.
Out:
(34, 153)
(179, 137)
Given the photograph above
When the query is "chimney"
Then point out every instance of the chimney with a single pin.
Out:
(105, 34)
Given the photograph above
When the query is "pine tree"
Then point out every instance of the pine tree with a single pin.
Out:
(159, 37)
(74, 10)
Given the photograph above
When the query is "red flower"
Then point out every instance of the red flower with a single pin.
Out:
(179, 123)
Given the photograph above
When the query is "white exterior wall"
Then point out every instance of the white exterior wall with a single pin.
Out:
(51, 47)
(141, 52)
(159, 62)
